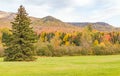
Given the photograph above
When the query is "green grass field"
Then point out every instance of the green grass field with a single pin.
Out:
(64, 66)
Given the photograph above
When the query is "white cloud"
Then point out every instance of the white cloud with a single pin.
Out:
(82, 3)
(101, 15)
(65, 14)
(111, 9)
(38, 11)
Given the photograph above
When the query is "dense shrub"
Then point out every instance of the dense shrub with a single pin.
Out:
(48, 49)
(98, 50)
(44, 51)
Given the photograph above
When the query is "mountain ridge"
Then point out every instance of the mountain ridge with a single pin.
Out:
(101, 26)
(7, 17)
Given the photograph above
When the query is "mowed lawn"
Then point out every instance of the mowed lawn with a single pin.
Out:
(64, 66)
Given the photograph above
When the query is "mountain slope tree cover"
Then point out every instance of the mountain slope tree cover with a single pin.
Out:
(19, 45)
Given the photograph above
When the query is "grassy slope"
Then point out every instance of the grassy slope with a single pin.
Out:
(64, 66)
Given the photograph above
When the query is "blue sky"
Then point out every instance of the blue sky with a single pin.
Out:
(69, 10)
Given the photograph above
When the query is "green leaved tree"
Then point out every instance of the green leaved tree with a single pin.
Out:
(19, 45)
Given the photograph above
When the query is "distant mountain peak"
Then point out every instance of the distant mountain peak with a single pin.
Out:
(49, 18)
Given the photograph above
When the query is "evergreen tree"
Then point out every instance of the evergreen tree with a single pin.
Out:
(19, 46)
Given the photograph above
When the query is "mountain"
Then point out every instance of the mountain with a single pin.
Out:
(47, 24)
(51, 21)
(7, 17)
(51, 24)
(101, 26)
(50, 18)
(3, 14)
